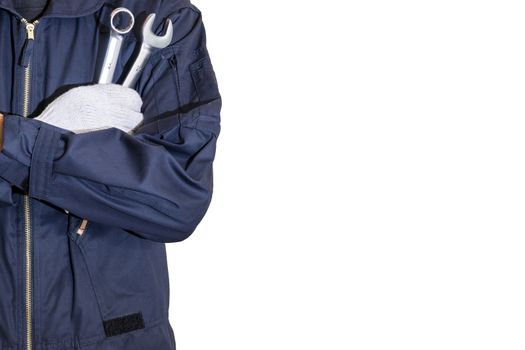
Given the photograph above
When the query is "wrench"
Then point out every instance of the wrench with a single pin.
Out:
(150, 41)
(114, 45)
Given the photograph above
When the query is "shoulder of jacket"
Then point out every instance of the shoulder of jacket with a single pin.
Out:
(171, 6)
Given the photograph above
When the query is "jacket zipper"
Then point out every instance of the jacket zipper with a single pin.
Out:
(26, 61)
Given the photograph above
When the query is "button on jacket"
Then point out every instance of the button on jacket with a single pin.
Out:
(84, 217)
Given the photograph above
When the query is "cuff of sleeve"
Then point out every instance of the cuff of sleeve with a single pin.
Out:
(46, 146)
(14, 172)
(6, 198)
(19, 138)
(29, 146)
(15, 158)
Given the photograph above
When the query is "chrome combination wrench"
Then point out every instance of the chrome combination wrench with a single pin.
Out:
(114, 45)
(150, 41)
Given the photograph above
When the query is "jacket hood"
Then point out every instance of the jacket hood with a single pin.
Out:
(61, 8)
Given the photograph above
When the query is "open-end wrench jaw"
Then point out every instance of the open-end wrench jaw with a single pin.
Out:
(151, 39)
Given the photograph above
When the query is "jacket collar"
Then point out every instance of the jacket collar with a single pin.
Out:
(61, 8)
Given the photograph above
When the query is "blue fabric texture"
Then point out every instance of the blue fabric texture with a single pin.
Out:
(137, 192)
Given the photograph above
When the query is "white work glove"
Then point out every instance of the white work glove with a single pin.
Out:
(95, 107)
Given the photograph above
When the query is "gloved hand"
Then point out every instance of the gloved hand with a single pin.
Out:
(95, 107)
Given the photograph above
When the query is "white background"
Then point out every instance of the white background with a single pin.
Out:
(369, 179)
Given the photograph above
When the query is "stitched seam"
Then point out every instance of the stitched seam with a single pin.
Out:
(41, 163)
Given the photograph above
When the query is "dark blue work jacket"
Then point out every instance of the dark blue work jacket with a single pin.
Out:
(84, 218)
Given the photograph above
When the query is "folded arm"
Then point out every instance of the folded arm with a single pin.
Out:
(158, 182)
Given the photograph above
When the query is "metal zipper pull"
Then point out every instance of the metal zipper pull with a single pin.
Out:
(30, 28)
(27, 50)
(83, 227)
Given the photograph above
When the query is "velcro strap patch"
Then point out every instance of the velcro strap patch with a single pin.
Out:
(123, 324)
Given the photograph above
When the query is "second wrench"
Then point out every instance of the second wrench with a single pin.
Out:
(150, 41)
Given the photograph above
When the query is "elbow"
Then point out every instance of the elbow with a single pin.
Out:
(185, 220)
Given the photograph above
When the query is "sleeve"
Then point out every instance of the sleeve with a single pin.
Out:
(156, 183)
(5, 194)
